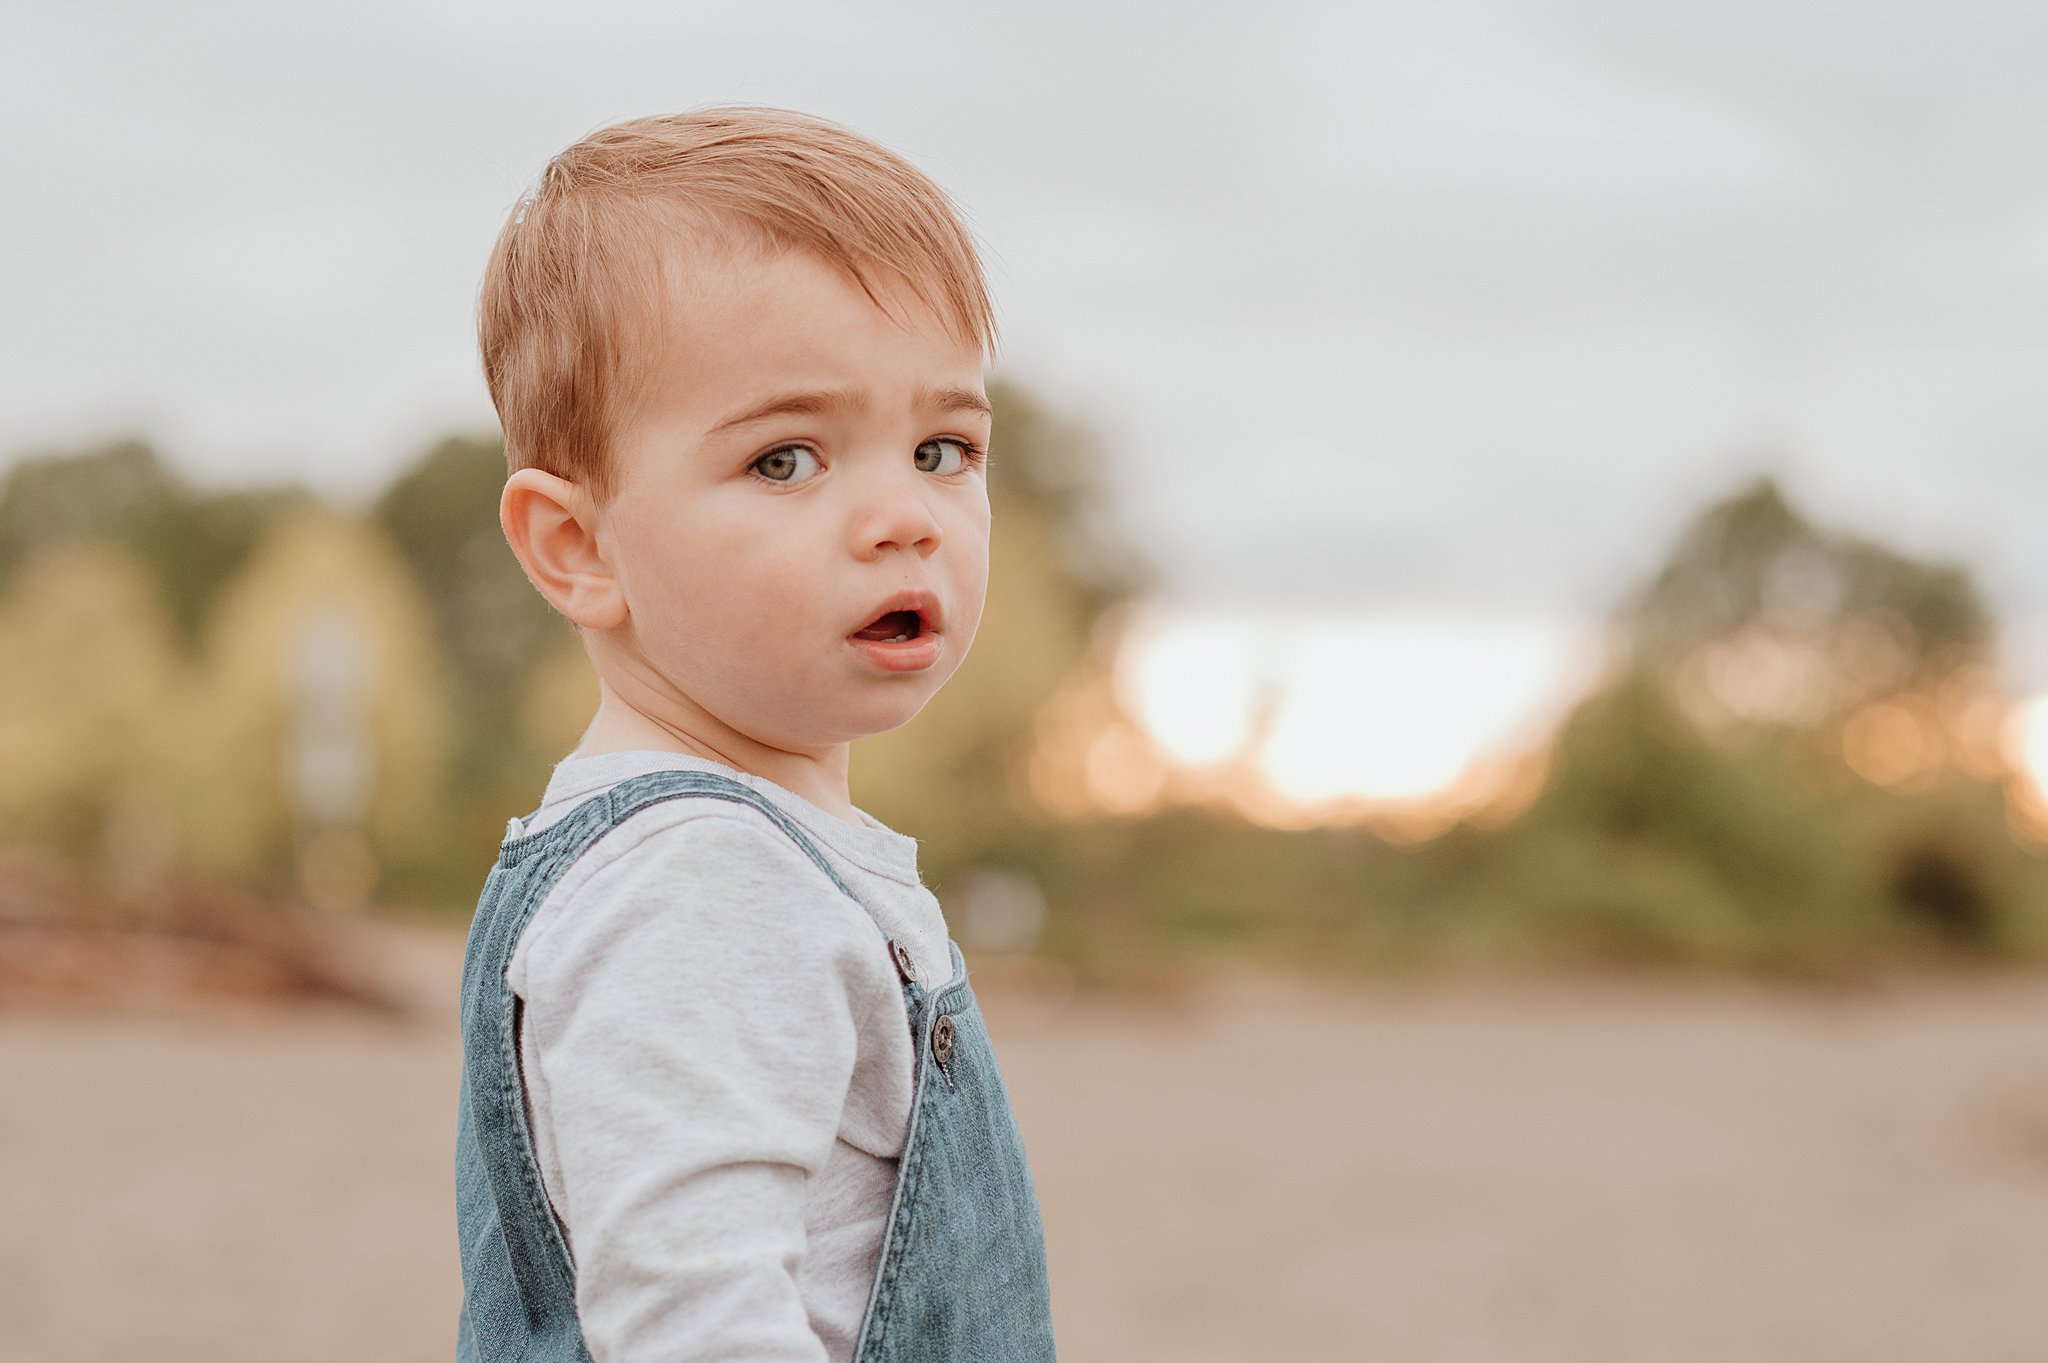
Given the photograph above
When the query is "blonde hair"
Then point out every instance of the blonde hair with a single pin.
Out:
(567, 317)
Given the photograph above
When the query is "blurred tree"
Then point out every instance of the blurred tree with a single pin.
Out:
(87, 668)
(321, 700)
(442, 513)
(502, 640)
(1760, 614)
(188, 543)
(1787, 767)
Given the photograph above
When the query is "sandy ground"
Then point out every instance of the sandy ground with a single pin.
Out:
(1256, 1171)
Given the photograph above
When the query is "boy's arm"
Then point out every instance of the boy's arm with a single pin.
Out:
(694, 1010)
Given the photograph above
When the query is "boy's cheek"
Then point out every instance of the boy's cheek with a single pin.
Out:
(973, 600)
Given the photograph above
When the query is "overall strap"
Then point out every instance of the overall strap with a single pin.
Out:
(631, 796)
(593, 818)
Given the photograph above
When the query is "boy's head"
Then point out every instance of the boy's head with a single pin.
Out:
(738, 356)
(572, 309)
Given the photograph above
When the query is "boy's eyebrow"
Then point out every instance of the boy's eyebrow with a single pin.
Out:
(955, 400)
(839, 400)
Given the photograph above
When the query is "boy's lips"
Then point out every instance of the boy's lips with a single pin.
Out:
(923, 605)
(902, 633)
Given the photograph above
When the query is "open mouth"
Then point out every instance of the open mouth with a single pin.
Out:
(895, 627)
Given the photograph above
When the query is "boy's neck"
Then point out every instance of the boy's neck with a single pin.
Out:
(620, 726)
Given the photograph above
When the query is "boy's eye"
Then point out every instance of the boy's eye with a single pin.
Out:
(943, 455)
(785, 463)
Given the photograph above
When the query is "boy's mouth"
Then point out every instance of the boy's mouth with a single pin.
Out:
(906, 633)
(892, 627)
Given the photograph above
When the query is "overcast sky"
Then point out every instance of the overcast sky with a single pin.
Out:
(1454, 303)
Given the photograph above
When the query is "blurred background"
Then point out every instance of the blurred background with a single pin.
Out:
(1499, 797)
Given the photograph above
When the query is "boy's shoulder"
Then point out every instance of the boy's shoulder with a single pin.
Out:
(698, 830)
(716, 874)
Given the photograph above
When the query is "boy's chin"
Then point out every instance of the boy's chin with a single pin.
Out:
(882, 719)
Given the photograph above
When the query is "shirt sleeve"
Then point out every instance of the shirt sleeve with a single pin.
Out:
(694, 1008)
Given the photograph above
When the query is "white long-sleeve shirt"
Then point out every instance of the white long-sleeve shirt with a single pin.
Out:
(718, 1066)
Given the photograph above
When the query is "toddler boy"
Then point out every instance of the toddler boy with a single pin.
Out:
(726, 1092)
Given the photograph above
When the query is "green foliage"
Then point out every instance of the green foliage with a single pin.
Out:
(1660, 837)
(87, 670)
(1747, 840)
(189, 543)
(496, 633)
(442, 513)
(1754, 563)
(323, 637)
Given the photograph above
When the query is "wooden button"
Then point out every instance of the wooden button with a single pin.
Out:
(905, 967)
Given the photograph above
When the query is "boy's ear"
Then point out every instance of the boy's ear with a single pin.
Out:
(551, 524)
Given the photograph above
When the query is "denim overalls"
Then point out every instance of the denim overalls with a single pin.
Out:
(961, 1278)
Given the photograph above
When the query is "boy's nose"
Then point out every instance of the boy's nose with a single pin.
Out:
(898, 517)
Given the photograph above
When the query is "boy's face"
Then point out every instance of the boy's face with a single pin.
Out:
(801, 457)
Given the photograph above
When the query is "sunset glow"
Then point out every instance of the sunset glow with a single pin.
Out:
(2026, 744)
(1394, 709)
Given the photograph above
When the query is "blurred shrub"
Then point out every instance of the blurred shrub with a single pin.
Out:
(87, 670)
(1792, 765)
(1655, 842)
(514, 666)
(1758, 614)
(321, 593)
(188, 543)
